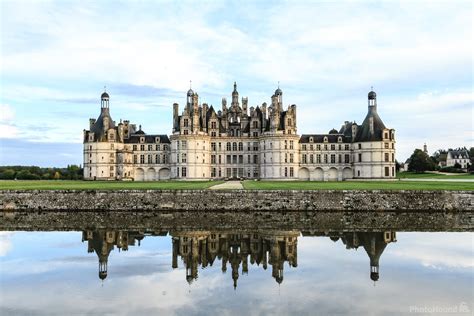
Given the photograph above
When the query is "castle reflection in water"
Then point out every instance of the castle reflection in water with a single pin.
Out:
(234, 249)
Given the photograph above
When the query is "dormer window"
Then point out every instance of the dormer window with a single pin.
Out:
(311, 139)
(339, 139)
(385, 135)
(325, 139)
(142, 140)
(157, 139)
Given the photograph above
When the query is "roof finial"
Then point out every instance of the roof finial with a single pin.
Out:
(190, 84)
(371, 88)
(105, 88)
(278, 84)
(140, 127)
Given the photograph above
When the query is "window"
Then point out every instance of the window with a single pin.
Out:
(157, 159)
(386, 145)
(311, 139)
(385, 135)
(333, 147)
(241, 159)
(213, 125)
(286, 144)
(213, 146)
(292, 172)
(186, 123)
(346, 158)
(303, 158)
(213, 134)
(241, 146)
(286, 157)
(325, 158)
(213, 172)
(360, 146)
(303, 147)
(311, 148)
(234, 146)
(134, 147)
(286, 172)
(318, 147)
(255, 146)
(360, 157)
(220, 159)
(183, 172)
(346, 147)
(229, 159)
(393, 157)
(386, 157)
(183, 157)
(234, 159)
(311, 158)
(291, 144)
(228, 146)
(333, 158)
(291, 158)
(255, 158)
(185, 132)
(158, 147)
(150, 160)
(387, 171)
(142, 159)
(135, 159)
(325, 139)
(318, 158)
(255, 124)
(183, 144)
(142, 147)
(340, 159)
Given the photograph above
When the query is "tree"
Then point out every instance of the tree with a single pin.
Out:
(57, 175)
(420, 162)
(397, 166)
(457, 165)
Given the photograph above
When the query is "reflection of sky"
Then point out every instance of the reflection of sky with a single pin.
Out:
(52, 273)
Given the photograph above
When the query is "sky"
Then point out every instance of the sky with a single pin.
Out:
(57, 56)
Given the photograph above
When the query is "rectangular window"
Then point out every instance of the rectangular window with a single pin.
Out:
(360, 157)
(183, 172)
(333, 147)
(292, 172)
(142, 159)
(220, 159)
(183, 157)
(228, 172)
(303, 158)
(286, 144)
(241, 159)
(142, 147)
(134, 147)
(393, 157)
(311, 158)
(325, 158)
(255, 146)
(234, 159)
(184, 144)
(318, 158)
(386, 145)
(255, 158)
(386, 157)
(229, 159)
(150, 160)
(213, 172)
(346, 147)
(387, 171)
(311, 147)
(213, 159)
(360, 146)
(333, 158)
(291, 158)
(291, 144)
(286, 172)
(150, 147)
(241, 146)
(157, 159)
(135, 159)
(286, 157)
(318, 147)
(234, 146)
(186, 123)
(346, 158)
(228, 146)
(303, 147)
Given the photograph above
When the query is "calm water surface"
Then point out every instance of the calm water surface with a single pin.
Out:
(236, 272)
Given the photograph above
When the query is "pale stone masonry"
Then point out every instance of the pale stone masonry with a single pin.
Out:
(238, 141)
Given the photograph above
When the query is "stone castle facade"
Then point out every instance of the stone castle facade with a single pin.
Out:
(238, 141)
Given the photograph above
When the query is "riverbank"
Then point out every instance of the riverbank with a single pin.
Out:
(236, 200)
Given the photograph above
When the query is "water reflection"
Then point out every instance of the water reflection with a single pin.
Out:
(235, 249)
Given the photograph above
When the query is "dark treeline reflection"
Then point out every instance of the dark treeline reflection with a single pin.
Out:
(234, 249)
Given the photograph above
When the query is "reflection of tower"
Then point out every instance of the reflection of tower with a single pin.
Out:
(103, 242)
(374, 244)
(201, 248)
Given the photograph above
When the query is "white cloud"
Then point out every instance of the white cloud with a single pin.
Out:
(5, 243)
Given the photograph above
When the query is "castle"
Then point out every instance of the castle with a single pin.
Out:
(238, 142)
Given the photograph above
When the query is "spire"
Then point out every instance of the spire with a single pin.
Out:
(235, 86)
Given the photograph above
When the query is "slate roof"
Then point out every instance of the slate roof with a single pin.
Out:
(135, 139)
(363, 131)
(319, 138)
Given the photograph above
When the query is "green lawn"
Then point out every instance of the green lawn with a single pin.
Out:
(412, 175)
(353, 185)
(103, 185)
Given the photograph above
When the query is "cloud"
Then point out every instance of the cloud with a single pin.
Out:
(5, 243)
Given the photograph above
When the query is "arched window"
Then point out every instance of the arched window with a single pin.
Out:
(228, 147)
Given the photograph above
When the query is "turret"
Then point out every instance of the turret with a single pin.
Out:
(245, 104)
(235, 96)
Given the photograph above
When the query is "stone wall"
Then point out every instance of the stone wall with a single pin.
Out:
(237, 200)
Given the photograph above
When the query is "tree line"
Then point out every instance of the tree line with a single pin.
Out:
(421, 162)
(71, 172)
